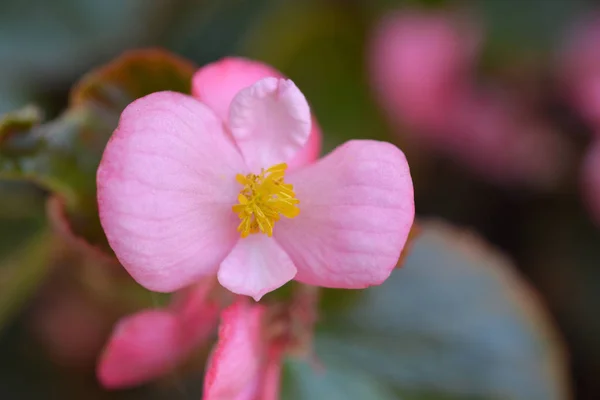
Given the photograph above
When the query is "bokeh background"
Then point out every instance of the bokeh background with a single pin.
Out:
(505, 154)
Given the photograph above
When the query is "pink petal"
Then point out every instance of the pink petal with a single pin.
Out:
(235, 368)
(311, 150)
(356, 210)
(256, 266)
(497, 138)
(579, 66)
(143, 347)
(150, 343)
(270, 122)
(417, 62)
(271, 380)
(216, 85)
(166, 184)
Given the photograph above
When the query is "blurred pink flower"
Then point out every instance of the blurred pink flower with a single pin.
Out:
(580, 67)
(492, 135)
(591, 180)
(419, 62)
(422, 69)
(150, 343)
(244, 364)
(175, 171)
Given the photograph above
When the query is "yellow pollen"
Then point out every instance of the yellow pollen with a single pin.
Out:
(263, 198)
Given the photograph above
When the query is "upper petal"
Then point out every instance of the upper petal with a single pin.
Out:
(166, 184)
(311, 150)
(356, 210)
(270, 122)
(236, 366)
(256, 266)
(217, 83)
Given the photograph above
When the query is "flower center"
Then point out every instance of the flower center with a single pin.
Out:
(263, 199)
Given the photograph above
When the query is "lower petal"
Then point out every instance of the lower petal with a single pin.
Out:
(235, 367)
(356, 210)
(256, 266)
(142, 347)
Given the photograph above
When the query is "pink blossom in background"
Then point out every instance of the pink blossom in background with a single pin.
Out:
(579, 71)
(244, 364)
(187, 190)
(422, 65)
(419, 63)
(591, 180)
(150, 343)
(494, 136)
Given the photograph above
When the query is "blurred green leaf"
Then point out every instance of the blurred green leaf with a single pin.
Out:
(63, 155)
(53, 40)
(22, 271)
(456, 322)
(300, 381)
(530, 29)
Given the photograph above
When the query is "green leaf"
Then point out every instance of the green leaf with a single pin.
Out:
(456, 322)
(301, 381)
(63, 155)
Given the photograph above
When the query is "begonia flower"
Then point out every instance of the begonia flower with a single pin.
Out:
(579, 63)
(150, 343)
(492, 135)
(244, 364)
(422, 66)
(186, 190)
(419, 61)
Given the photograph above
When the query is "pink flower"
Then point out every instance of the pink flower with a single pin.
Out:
(244, 364)
(150, 343)
(580, 67)
(422, 69)
(495, 137)
(188, 188)
(419, 61)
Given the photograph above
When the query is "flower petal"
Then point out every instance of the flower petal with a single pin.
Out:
(217, 83)
(311, 150)
(256, 266)
(166, 184)
(150, 343)
(236, 366)
(270, 121)
(142, 347)
(356, 210)
(418, 61)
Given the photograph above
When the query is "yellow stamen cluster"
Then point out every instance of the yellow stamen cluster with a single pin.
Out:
(263, 199)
